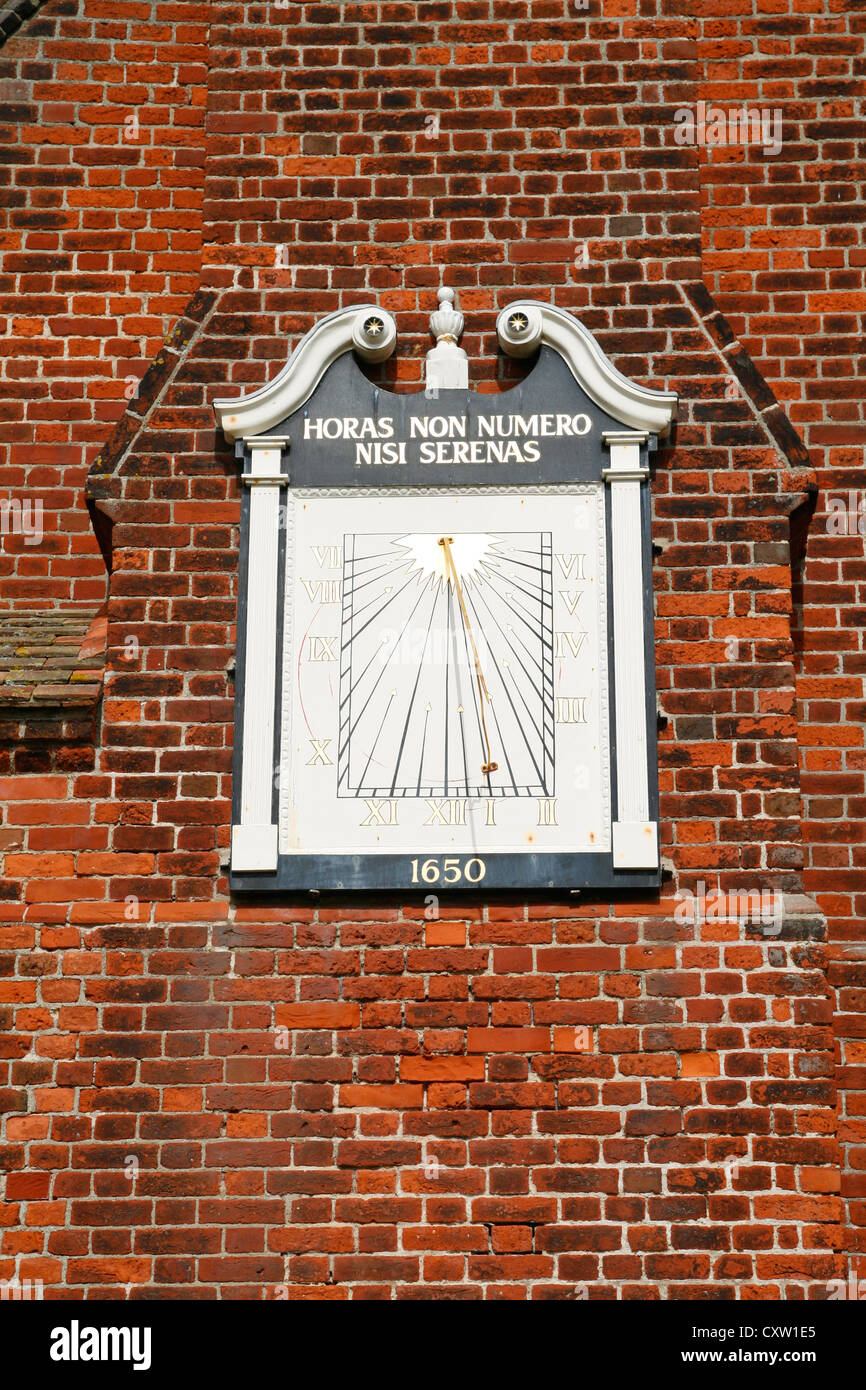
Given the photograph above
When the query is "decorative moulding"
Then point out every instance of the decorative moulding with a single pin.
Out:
(526, 324)
(369, 330)
(521, 328)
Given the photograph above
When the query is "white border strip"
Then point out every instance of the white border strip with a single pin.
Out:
(635, 836)
(254, 840)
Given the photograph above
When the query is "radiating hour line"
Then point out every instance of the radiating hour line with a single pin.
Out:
(529, 713)
(517, 719)
(504, 746)
(535, 632)
(463, 743)
(391, 599)
(474, 688)
(509, 644)
(453, 647)
(423, 746)
(533, 592)
(447, 661)
(380, 676)
(380, 572)
(376, 651)
(530, 620)
(385, 556)
(534, 595)
(414, 693)
(532, 683)
(517, 638)
(541, 778)
(375, 741)
(377, 555)
(524, 564)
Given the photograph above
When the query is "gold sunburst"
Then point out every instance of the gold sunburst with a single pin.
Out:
(470, 552)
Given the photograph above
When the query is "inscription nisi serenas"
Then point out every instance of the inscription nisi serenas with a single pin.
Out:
(448, 439)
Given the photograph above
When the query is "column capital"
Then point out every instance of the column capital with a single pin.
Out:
(625, 465)
(266, 441)
(266, 453)
(612, 437)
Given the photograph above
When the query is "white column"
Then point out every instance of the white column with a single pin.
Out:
(635, 836)
(254, 840)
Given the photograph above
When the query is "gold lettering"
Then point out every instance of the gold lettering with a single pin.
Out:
(381, 813)
(451, 811)
(321, 648)
(571, 709)
(571, 566)
(569, 643)
(328, 556)
(323, 590)
(319, 753)
(570, 600)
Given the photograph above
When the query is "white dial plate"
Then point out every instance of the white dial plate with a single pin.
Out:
(386, 727)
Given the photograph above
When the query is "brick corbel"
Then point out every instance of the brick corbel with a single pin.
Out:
(103, 487)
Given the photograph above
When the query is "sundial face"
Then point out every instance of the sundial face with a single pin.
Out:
(445, 620)
(444, 680)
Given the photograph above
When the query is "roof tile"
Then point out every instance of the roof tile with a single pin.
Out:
(53, 658)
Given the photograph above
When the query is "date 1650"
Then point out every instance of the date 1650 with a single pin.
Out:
(449, 871)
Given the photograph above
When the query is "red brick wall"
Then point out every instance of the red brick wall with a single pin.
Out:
(101, 124)
(345, 1099)
(784, 258)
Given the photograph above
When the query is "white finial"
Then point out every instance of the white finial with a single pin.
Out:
(446, 322)
(447, 364)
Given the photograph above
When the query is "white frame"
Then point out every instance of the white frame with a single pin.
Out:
(521, 327)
